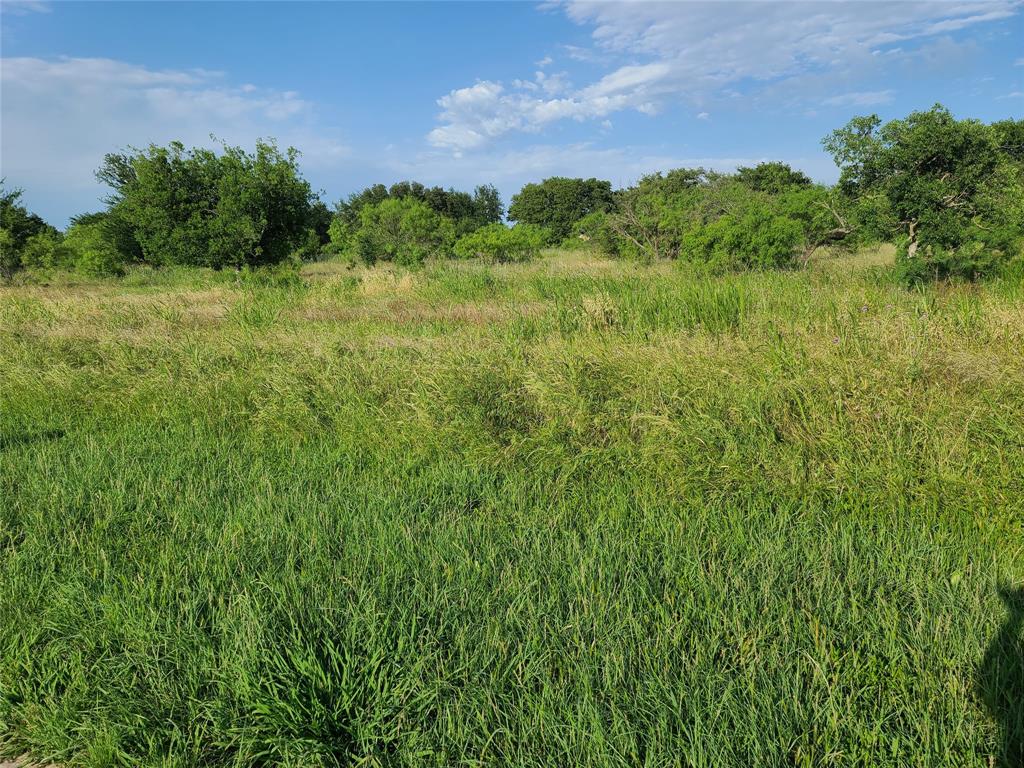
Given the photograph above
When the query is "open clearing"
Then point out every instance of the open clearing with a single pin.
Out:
(576, 512)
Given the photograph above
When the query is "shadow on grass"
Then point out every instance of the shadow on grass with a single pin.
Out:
(1001, 679)
(10, 441)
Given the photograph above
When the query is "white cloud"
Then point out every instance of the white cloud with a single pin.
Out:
(60, 116)
(703, 116)
(860, 99)
(545, 62)
(696, 51)
(22, 7)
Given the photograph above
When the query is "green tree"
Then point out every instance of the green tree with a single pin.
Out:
(403, 230)
(772, 178)
(946, 188)
(498, 243)
(202, 208)
(90, 250)
(47, 250)
(10, 259)
(487, 205)
(759, 238)
(17, 220)
(557, 203)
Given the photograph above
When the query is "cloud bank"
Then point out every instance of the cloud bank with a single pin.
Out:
(696, 51)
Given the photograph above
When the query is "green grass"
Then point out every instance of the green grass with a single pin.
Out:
(574, 512)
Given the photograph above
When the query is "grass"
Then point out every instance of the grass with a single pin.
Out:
(575, 512)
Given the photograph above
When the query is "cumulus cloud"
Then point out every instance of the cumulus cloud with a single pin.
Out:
(696, 51)
(62, 115)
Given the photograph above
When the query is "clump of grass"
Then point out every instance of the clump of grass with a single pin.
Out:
(572, 512)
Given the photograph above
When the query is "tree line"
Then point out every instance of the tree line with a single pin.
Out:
(949, 193)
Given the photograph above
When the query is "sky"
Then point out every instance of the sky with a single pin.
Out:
(460, 94)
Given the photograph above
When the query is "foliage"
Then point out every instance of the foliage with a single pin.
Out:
(455, 214)
(10, 259)
(19, 226)
(498, 243)
(594, 231)
(399, 229)
(47, 250)
(467, 212)
(696, 214)
(758, 238)
(88, 247)
(17, 220)
(773, 178)
(201, 208)
(948, 186)
(558, 203)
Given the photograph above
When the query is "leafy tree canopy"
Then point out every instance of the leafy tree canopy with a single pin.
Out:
(558, 203)
(202, 208)
(947, 186)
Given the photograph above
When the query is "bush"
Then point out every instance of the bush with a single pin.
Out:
(558, 203)
(403, 230)
(758, 239)
(201, 208)
(498, 243)
(47, 250)
(10, 261)
(594, 231)
(91, 252)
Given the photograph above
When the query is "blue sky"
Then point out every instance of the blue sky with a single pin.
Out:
(487, 92)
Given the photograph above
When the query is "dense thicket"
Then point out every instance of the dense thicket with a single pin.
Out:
(408, 221)
(948, 192)
(558, 203)
(204, 208)
(18, 229)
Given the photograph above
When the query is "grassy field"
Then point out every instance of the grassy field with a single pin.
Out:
(576, 512)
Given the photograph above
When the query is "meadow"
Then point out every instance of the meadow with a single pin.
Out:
(573, 512)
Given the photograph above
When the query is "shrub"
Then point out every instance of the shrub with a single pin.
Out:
(558, 203)
(201, 208)
(498, 243)
(403, 230)
(10, 261)
(47, 250)
(757, 239)
(91, 252)
(594, 231)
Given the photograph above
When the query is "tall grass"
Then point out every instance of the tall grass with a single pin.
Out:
(567, 513)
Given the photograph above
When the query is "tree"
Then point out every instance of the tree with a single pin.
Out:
(948, 188)
(201, 208)
(772, 178)
(759, 238)
(88, 249)
(459, 212)
(403, 230)
(557, 203)
(19, 227)
(10, 260)
(47, 250)
(498, 243)
(487, 205)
